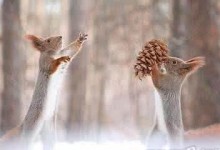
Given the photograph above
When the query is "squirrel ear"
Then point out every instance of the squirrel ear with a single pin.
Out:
(192, 65)
(36, 42)
(33, 37)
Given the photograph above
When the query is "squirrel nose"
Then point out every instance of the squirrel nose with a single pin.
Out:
(60, 37)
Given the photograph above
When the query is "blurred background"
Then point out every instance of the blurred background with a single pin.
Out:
(101, 98)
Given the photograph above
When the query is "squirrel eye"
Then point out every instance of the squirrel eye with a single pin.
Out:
(174, 62)
(48, 41)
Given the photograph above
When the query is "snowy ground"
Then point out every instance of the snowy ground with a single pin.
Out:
(134, 145)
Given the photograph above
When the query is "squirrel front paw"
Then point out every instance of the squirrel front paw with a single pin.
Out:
(56, 63)
(82, 37)
(64, 59)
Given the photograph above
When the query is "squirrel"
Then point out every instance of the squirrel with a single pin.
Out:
(53, 62)
(168, 79)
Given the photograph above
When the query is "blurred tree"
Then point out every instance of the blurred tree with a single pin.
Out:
(202, 35)
(76, 83)
(98, 58)
(13, 64)
(160, 18)
(177, 40)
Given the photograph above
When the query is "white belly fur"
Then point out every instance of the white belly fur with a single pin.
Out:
(43, 102)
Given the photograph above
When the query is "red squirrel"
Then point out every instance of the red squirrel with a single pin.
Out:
(168, 79)
(53, 62)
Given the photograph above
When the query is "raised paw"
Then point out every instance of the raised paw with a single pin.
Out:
(83, 37)
(56, 63)
(64, 59)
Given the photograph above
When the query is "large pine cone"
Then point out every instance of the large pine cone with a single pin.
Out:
(153, 52)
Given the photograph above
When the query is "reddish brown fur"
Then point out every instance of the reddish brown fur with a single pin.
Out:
(31, 37)
(55, 63)
(49, 65)
(194, 64)
(212, 131)
(175, 69)
(10, 134)
(155, 74)
(181, 69)
(38, 44)
(36, 41)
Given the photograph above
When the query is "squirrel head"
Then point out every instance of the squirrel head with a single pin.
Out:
(43, 45)
(171, 74)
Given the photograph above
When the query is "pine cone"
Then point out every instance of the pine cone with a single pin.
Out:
(153, 52)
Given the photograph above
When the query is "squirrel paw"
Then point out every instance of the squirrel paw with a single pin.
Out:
(82, 37)
(64, 59)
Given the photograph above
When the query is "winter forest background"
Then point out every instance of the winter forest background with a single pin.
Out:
(101, 98)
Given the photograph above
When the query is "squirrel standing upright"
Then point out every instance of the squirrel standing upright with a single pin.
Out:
(52, 63)
(168, 79)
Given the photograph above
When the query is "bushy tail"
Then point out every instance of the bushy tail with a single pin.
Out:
(206, 132)
(10, 135)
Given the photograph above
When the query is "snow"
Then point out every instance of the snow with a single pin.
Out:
(131, 145)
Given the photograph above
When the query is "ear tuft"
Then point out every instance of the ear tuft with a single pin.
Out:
(36, 41)
(193, 65)
(197, 62)
(31, 37)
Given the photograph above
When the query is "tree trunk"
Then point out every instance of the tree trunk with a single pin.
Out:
(202, 40)
(159, 20)
(13, 65)
(177, 40)
(76, 83)
(97, 72)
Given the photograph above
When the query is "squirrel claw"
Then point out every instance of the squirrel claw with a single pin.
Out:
(65, 59)
(83, 37)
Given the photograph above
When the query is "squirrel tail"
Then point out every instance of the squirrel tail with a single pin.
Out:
(13, 133)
